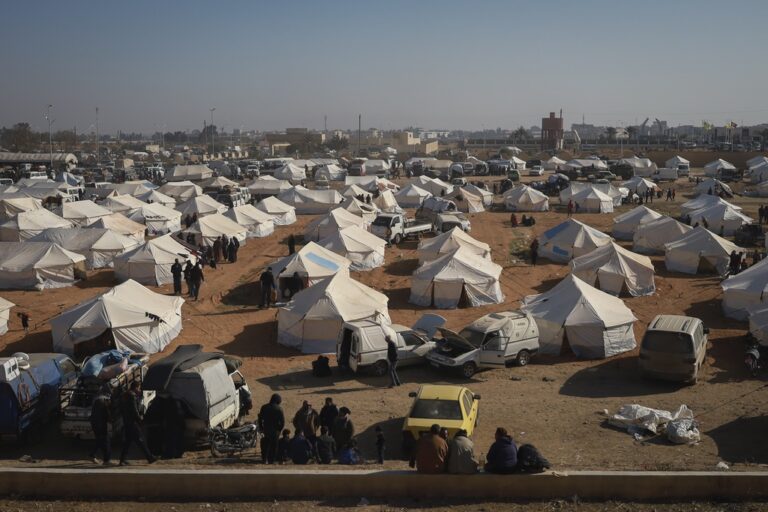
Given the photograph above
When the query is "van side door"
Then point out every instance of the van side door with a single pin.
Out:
(493, 350)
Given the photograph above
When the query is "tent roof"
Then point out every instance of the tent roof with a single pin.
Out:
(201, 205)
(20, 256)
(156, 196)
(312, 260)
(215, 225)
(118, 223)
(5, 304)
(704, 242)
(155, 211)
(85, 239)
(337, 218)
(35, 220)
(189, 172)
(637, 215)
(160, 251)
(461, 263)
(719, 164)
(676, 160)
(754, 279)
(705, 201)
(573, 232)
(355, 190)
(181, 189)
(353, 239)
(247, 214)
(412, 190)
(339, 295)
(273, 205)
(218, 182)
(719, 211)
(301, 195)
(82, 210)
(119, 203)
(611, 253)
(516, 193)
(452, 240)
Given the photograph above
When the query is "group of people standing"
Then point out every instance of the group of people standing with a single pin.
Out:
(192, 275)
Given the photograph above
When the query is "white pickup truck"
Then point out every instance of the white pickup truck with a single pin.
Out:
(395, 227)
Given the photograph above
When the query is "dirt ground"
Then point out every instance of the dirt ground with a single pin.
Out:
(556, 403)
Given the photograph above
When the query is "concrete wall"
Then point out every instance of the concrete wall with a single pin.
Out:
(241, 484)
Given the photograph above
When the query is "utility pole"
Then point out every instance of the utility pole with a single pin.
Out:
(98, 142)
(213, 142)
(50, 137)
(359, 131)
(325, 124)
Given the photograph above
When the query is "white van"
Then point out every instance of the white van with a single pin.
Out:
(674, 348)
(361, 344)
(491, 341)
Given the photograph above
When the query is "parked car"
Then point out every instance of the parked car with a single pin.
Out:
(536, 170)
(361, 344)
(491, 341)
(452, 407)
(674, 348)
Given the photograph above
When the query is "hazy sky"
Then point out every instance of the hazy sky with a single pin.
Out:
(434, 64)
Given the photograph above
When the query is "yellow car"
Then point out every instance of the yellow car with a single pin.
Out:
(451, 407)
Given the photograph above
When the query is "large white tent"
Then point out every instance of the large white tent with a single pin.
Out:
(746, 291)
(525, 199)
(445, 243)
(311, 201)
(434, 186)
(155, 196)
(27, 224)
(330, 172)
(704, 201)
(257, 223)
(485, 194)
(312, 320)
(189, 173)
(700, 251)
(596, 324)
(159, 219)
(411, 196)
(5, 314)
(720, 218)
(201, 206)
(758, 173)
(466, 201)
(570, 239)
(554, 164)
(330, 223)
(312, 262)
(122, 225)
(124, 204)
(460, 274)
(282, 214)
(150, 263)
(180, 190)
(290, 172)
(368, 212)
(268, 186)
(99, 246)
(132, 317)
(624, 225)
(131, 188)
(640, 166)
(363, 249)
(639, 185)
(83, 213)
(757, 160)
(650, 237)
(713, 167)
(575, 188)
(592, 200)
(38, 266)
(207, 229)
(614, 269)
(712, 186)
(676, 162)
(386, 202)
(11, 205)
(355, 191)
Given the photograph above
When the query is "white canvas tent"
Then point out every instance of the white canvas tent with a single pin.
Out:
(201, 206)
(411, 196)
(554, 164)
(386, 202)
(355, 191)
(638, 185)
(525, 199)
(330, 223)
(650, 237)
(150, 263)
(434, 186)
(569, 240)
(312, 262)
(312, 320)
(746, 291)
(257, 223)
(38, 266)
(11, 205)
(282, 214)
(99, 246)
(311, 201)
(27, 224)
(460, 274)
(596, 324)
(641, 166)
(720, 218)
(136, 319)
(676, 162)
(432, 248)
(592, 200)
(207, 229)
(613, 269)
(122, 225)
(5, 314)
(218, 182)
(759, 173)
(485, 195)
(268, 186)
(704, 201)
(290, 172)
(83, 213)
(575, 188)
(124, 204)
(712, 168)
(135, 188)
(756, 161)
(368, 212)
(364, 250)
(700, 251)
(466, 201)
(713, 185)
(189, 173)
(159, 219)
(624, 225)
(155, 196)
(330, 172)
(181, 190)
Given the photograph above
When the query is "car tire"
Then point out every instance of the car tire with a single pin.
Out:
(380, 368)
(398, 238)
(468, 370)
(523, 358)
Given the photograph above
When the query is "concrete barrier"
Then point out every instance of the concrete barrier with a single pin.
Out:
(203, 484)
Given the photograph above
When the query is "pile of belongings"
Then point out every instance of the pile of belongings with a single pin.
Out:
(679, 427)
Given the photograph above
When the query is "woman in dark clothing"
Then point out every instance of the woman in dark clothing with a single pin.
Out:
(502, 457)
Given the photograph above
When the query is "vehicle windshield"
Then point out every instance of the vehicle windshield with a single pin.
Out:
(474, 337)
(436, 410)
(382, 221)
(668, 342)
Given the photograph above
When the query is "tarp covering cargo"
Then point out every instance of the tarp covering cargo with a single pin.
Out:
(569, 240)
(650, 237)
(138, 320)
(613, 269)
(596, 324)
(150, 263)
(624, 225)
(700, 252)
(38, 266)
(446, 243)
(159, 219)
(312, 320)
(25, 225)
(461, 274)
(83, 213)
(525, 199)
(207, 229)
(311, 201)
(256, 222)
(99, 246)
(364, 250)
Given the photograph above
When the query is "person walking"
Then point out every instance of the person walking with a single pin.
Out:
(570, 207)
(100, 418)
(381, 444)
(461, 455)
(129, 408)
(343, 430)
(236, 243)
(188, 276)
(217, 249)
(196, 278)
(267, 280)
(24, 317)
(394, 379)
(534, 251)
(271, 421)
(177, 272)
(291, 244)
(328, 414)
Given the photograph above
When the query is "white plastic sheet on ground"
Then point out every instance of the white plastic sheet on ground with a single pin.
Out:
(679, 427)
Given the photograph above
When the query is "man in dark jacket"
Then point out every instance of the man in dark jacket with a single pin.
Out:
(343, 430)
(267, 280)
(300, 449)
(271, 422)
(502, 456)
(177, 271)
(217, 249)
(291, 244)
(307, 421)
(394, 380)
(100, 417)
(325, 447)
(328, 414)
(196, 279)
(188, 276)
(129, 407)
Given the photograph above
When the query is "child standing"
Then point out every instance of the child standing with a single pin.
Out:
(380, 444)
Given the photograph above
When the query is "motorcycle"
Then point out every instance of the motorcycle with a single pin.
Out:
(755, 357)
(232, 441)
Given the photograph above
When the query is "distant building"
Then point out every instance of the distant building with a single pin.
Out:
(60, 160)
(296, 136)
(552, 131)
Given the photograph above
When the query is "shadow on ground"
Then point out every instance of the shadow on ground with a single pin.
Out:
(614, 378)
(730, 440)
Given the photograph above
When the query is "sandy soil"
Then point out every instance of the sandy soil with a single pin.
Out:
(556, 403)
